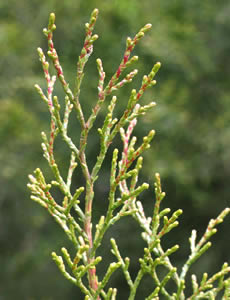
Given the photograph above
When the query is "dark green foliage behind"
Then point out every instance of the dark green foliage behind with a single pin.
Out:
(191, 149)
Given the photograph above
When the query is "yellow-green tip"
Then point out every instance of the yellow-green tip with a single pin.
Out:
(52, 18)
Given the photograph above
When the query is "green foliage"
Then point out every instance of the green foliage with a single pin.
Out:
(74, 213)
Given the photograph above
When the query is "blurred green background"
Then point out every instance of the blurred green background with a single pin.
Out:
(192, 119)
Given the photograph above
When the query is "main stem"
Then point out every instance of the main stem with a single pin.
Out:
(93, 283)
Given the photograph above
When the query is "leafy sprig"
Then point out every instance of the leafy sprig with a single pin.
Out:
(124, 187)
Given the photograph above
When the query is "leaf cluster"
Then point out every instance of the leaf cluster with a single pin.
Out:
(124, 188)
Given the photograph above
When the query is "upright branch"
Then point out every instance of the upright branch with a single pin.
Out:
(124, 186)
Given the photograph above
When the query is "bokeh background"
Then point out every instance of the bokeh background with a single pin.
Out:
(191, 149)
